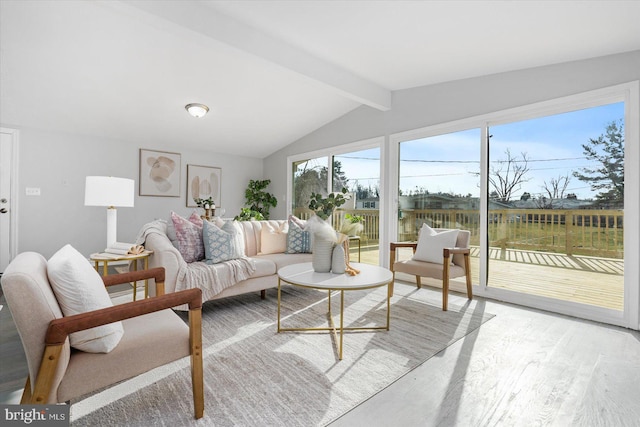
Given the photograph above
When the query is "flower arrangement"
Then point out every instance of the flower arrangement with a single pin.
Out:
(205, 203)
(208, 206)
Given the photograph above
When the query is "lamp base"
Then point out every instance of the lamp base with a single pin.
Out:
(112, 223)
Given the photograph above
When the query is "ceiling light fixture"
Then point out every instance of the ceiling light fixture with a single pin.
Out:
(197, 110)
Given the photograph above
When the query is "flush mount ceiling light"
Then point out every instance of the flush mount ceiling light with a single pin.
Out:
(197, 110)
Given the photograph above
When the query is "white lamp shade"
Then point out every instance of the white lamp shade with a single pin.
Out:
(109, 191)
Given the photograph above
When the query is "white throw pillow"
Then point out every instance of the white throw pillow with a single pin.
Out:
(273, 240)
(79, 288)
(431, 243)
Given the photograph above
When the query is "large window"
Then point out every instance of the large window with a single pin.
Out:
(358, 171)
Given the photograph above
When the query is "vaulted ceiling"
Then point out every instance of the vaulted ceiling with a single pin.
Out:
(270, 71)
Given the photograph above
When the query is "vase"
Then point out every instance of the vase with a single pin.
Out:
(321, 257)
(338, 263)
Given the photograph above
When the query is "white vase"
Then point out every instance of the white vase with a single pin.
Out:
(338, 264)
(322, 251)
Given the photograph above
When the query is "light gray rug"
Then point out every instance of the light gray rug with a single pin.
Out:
(257, 377)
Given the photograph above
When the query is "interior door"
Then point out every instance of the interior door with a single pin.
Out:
(6, 213)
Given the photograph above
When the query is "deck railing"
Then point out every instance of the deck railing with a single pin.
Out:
(573, 232)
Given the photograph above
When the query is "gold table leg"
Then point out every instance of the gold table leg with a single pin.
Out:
(332, 327)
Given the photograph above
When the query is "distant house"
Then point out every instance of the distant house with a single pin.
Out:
(368, 203)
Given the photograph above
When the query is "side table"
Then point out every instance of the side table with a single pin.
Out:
(106, 258)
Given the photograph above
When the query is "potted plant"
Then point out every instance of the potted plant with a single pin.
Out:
(258, 201)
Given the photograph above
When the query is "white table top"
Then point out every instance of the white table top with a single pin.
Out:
(370, 276)
(103, 256)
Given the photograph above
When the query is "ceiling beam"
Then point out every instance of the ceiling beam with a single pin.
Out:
(205, 20)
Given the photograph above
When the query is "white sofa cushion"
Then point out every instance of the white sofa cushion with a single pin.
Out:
(79, 289)
(274, 239)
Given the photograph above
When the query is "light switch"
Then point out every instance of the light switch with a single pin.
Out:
(32, 191)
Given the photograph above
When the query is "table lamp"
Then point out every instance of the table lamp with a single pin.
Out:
(111, 192)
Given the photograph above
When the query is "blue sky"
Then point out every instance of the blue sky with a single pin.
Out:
(553, 145)
(450, 163)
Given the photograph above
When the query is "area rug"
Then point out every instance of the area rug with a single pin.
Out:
(256, 377)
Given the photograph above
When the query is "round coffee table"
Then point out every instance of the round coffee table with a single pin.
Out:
(371, 276)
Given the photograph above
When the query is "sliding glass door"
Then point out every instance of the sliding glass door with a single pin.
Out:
(439, 185)
(556, 206)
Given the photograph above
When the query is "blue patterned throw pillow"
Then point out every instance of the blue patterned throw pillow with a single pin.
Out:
(222, 243)
(298, 240)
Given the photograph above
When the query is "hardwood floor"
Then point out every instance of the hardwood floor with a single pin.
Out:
(523, 367)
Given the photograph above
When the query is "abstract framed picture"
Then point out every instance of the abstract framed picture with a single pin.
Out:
(159, 173)
(203, 182)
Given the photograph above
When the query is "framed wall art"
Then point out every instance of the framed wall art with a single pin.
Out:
(159, 173)
(203, 182)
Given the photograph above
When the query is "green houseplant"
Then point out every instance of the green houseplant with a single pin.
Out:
(258, 201)
(324, 206)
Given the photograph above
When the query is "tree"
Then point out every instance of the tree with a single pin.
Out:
(554, 189)
(313, 180)
(307, 182)
(508, 176)
(608, 176)
(525, 196)
(340, 180)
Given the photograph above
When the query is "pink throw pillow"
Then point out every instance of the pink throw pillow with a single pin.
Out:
(189, 236)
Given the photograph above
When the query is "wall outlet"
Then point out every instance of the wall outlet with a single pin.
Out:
(32, 191)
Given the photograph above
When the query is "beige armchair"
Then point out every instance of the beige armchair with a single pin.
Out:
(455, 263)
(153, 335)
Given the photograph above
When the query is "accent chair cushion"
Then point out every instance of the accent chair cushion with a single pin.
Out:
(189, 236)
(79, 289)
(298, 239)
(431, 243)
(222, 243)
(273, 239)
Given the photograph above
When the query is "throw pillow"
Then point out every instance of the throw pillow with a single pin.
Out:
(273, 240)
(298, 240)
(78, 289)
(222, 244)
(189, 237)
(431, 244)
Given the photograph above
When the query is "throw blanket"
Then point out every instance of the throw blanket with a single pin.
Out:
(211, 278)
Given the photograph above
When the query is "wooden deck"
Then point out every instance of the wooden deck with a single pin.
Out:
(582, 279)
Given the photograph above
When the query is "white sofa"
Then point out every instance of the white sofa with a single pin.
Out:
(263, 277)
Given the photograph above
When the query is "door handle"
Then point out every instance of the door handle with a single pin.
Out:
(3, 210)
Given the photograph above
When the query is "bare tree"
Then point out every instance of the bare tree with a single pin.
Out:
(509, 174)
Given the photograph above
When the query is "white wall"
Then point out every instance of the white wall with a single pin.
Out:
(58, 164)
